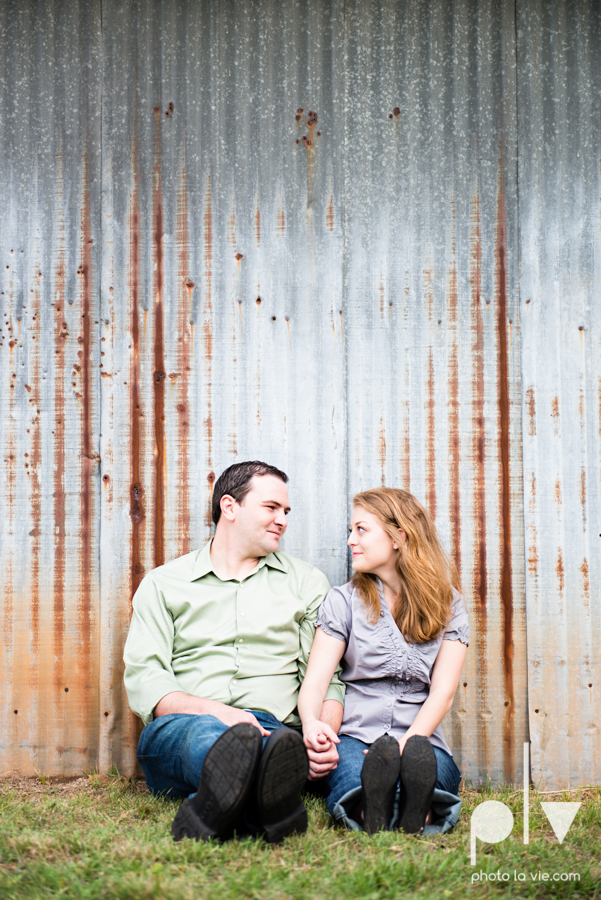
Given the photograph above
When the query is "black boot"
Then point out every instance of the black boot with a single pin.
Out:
(379, 778)
(280, 779)
(418, 777)
(225, 784)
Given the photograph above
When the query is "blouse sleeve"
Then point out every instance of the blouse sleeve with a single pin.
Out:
(334, 616)
(458, 628)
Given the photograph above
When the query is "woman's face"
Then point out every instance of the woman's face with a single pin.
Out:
(373, 550)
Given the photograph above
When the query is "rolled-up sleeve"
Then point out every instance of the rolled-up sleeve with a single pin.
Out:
(148, 651)
(458, 628)
(316, 588)
(335, 615)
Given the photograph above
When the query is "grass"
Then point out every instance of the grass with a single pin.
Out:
(106, 837)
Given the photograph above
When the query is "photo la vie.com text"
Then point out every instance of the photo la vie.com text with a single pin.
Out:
(492, 821)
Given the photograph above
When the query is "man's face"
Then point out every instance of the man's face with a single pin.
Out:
(261, 517)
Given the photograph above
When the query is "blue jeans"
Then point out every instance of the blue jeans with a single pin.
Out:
(172, 749)
(344, 785)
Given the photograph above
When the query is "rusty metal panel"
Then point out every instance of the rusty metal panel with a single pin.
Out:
(289, 230)
(431, 321)
(222, 285)
(559, 48)
(49, 396)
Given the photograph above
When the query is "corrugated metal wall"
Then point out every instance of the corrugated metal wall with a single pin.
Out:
(353, 238)
(560, 304)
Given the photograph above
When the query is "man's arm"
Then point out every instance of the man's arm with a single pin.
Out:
(180, 702)
(151, 684)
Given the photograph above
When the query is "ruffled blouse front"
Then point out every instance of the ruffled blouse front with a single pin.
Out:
(387, 678)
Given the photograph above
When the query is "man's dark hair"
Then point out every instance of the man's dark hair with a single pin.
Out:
(235, 482)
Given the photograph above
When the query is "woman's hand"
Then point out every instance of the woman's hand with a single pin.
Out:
(318, 735)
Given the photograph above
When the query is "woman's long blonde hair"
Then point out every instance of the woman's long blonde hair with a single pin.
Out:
(423, 607)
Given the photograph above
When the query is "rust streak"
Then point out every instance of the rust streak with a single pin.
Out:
(136, 510)
(330, 214)
(280, 220)
(88, 462)
(40, 659)
(60, 386)
(479, 424)
(583, 496)
(505, 474)
(479, 572)
(559, 571)
(533, 560)
(9, 630)
(531, 407)
(208, 332)
(382, 451)
(35, 470)
(183, 512)
(585, 583)
(454, 430)
(258, 223)
(558, 492)
(159, 359)
(431, 440)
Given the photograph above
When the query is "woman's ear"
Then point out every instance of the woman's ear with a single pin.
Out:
(403, 539)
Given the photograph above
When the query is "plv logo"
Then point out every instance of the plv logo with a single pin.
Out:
(492, 821)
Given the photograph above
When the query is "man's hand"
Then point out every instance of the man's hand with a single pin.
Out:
(180, 702)
(229, 715)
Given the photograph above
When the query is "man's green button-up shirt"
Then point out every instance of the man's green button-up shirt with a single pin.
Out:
(245, 643)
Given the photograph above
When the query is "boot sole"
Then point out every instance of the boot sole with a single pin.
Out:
(379, 778)
(418, 777)
(225, 784)
(281, 777)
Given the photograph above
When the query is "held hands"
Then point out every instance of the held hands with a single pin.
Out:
(320, 741)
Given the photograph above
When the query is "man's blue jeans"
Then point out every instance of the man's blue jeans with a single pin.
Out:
(344, 785)
(172, 749)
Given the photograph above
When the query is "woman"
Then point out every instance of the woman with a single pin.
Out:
(400, 628)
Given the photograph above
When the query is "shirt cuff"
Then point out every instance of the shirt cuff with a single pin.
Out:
(335, 692)
(147, 697)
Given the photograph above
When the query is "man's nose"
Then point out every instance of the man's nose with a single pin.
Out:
(280, 518)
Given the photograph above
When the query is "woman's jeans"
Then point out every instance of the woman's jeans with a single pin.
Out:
(172, 749)
(344, 785)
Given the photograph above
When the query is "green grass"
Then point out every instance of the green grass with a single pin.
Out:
(108, 838)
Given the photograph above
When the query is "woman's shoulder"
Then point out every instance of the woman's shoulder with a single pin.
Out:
(341, 594)
(457, 602)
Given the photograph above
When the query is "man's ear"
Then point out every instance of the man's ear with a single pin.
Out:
(228, 504)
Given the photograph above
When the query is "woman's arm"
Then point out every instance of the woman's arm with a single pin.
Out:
(326, 653)
(445, 679)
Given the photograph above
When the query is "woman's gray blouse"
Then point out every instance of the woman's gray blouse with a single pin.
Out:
(387, 679)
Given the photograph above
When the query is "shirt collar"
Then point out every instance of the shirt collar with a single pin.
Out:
(203, 564)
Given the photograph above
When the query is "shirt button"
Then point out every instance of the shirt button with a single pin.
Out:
(241, 641)
(241, 614)
(234, 681)
(389, 703)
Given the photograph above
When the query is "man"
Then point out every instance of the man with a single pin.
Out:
(217, 648)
